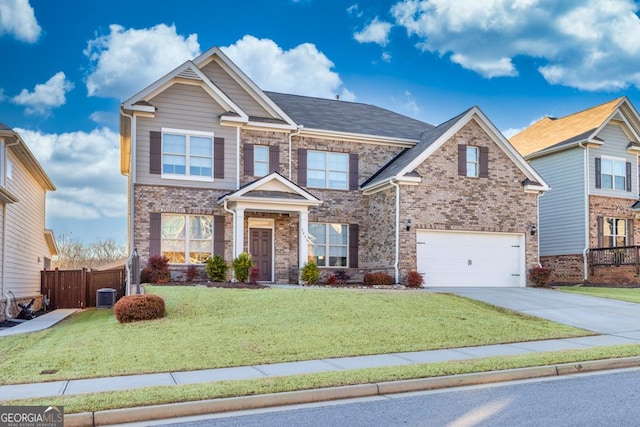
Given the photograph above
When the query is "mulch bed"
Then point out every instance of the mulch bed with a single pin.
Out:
(228, 285)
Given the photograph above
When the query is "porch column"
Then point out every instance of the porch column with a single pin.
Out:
(303, 234)
(239, 232)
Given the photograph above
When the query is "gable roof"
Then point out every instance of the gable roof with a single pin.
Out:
(348, 117)
(402, 167)
(272, 188)
(19, 147)
(556, 133)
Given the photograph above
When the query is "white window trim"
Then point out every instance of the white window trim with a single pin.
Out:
(186, 177)
(613, 177)
(255, 161)
(327, 169)
(477, 162)
(186, 240)
(327, 245)
(615, 236)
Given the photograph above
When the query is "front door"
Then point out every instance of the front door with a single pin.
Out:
(261, 252)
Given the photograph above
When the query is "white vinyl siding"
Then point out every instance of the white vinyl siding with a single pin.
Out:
(562, 208)
(613, 148)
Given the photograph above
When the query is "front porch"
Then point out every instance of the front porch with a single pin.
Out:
(617, 265)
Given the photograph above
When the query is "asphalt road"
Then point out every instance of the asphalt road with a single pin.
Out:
(610, 398)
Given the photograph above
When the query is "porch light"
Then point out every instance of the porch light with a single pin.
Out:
(534, 230)
(408, 224)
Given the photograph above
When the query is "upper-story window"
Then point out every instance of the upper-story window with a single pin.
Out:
(328, 170)
(187, 154)
(260, 160)
(614, 174)
(473, 161)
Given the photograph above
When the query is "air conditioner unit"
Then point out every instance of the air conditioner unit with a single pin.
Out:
(105, 298)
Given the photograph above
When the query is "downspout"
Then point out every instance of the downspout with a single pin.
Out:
(237, 160)
(132, 174)
(4, 220)
(585, 251)
(538, 226)
(397, 255)
(291, 135)
(233, 229)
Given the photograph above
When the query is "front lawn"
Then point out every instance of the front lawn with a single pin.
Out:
(623, 294)
(211, 328)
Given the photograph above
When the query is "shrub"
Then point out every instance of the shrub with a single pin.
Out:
(310, 273)
(414, 279)
(539, 275)
(216, 269)
(242, 266)
(342, 276)
(156, 271)
(332, 280)
(378, 279)
(253, 275)
(133, 308)
(192, 273)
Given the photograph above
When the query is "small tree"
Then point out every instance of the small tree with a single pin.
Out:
(156, 271)
(242, 266)
(310, 273)
(216, 268)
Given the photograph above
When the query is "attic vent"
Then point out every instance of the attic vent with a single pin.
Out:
(188, 73)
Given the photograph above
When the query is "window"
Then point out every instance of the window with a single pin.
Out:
(9, 169)
(187, 154)
(328, 245)
(328, 170)
(187, 239)
(614, 232)
(473, 161)
(614, 174)
(260, 160)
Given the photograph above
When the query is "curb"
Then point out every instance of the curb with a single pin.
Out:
(174, 410)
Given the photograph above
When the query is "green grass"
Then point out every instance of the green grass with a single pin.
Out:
(623, 294)
(211, 328)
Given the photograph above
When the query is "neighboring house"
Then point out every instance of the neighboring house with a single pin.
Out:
(590, 161)
(26, 247)
(217, 165)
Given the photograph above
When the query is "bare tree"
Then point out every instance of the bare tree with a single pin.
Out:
(74, 255)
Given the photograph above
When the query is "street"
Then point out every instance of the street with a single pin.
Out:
(597, 399)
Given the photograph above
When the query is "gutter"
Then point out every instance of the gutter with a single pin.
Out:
(132, 174)
(585, 251)
(397, 254)
(291, 135)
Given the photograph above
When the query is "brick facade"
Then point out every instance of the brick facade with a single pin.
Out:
(564, 268)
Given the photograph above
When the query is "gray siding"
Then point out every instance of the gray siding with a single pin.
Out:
(615, 145)
(233, 90)
(185, 107)
(562, 209)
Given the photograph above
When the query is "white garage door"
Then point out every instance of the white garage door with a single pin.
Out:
(448, 258)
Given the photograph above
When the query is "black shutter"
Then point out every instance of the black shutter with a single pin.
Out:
(600, 230)
(155, 152)
(598, 173)
(353, 245)
(628, 176)
(462, 160)
(218, 235)
(353, 171)
(274, 158)
(302, 167)
(218, 157)
(484, 162)
(248, 159)
(155, 234)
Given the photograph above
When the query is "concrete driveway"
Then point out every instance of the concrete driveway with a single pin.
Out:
(606, 316)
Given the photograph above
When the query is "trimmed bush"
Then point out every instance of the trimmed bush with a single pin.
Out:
(156, 271)
(332, 280)
(309, 273)
(539, 275)
(216, 269)
(133, 308)
(414, 279)
(378, 279)
(242, 266)
(341, 276)
(192, 273)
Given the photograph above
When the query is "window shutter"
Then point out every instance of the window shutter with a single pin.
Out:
(155, 152)
(248, 159)
(218, 235)
(462, 160)
(218, 157)
(155, 234)
(484, 162)
(598, 173)
(274, 158)
(353, 245)
(302, 167)
(628, 176)
(600, 236)
(629, 232)
(353, 171)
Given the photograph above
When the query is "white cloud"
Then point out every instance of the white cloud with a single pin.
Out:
(589, 44)
(45, 96)
(386, 56)
(508, 133)
(106, 118)
(18, 19)
(376, 32)
(84, 167)
(126, 61)
(354, 10)
(407, 104)
(302, 70)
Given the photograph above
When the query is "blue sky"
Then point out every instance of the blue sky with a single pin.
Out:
(67, 65)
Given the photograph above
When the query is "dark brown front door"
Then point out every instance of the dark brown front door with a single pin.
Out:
(261, 252)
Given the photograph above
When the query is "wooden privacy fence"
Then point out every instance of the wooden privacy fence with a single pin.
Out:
(77, 288)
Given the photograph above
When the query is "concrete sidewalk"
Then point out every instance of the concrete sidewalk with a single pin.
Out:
(39, 323)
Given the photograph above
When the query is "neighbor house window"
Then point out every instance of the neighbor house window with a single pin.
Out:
(328, 170)
(614, 174)
(614, 232)
(187, 239)
(260, 160)
(188, 155)
(328, 244)
(473, 161)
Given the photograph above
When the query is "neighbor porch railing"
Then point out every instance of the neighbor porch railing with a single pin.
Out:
(622, 255)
